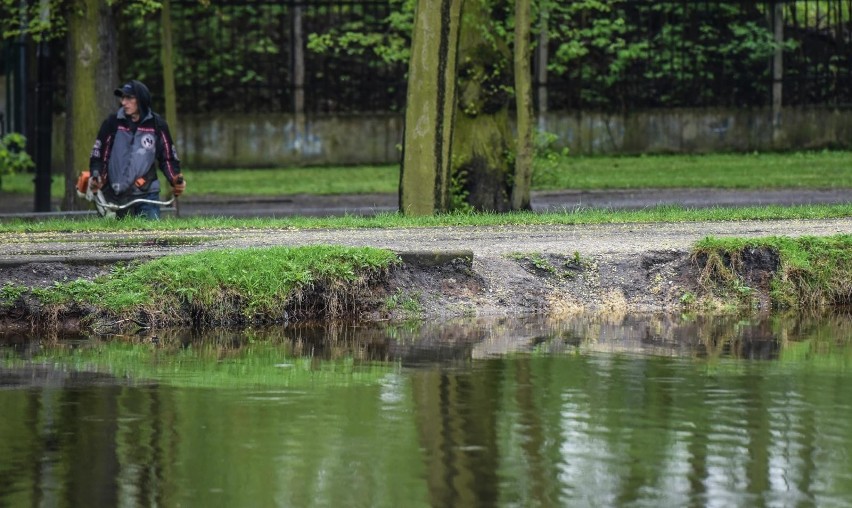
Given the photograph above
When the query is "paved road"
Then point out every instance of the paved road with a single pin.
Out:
(368, 204)
(588, 240)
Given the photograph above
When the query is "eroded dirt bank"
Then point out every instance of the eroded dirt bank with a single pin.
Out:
(497, 270)
(453, 285)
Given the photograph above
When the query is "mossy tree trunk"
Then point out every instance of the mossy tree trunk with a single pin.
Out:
(522, 53)
(483, 142)
(424, 186)
(92, 74)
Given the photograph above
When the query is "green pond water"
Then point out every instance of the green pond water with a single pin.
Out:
(595, 411)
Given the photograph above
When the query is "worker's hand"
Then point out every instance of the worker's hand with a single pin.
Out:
(178, 186)
(95, 183)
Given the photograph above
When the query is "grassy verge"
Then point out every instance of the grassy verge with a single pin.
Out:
(824, 169)
(395, 220)
(236, 286)
(809, 272)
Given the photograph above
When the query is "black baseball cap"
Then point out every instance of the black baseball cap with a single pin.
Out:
(126, 89)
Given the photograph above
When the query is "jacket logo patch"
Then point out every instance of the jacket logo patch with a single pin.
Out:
(96, 150)
(147, 142)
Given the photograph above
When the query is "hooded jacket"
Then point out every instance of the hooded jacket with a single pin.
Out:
(125, 151)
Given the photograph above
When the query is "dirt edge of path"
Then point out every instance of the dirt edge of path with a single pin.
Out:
(449, 286)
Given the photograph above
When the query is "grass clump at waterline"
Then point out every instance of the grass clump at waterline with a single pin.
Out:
(804, 272)
(225, 287)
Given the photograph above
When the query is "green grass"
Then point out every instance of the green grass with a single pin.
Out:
(224, 286)
(260, 182)
(395, 220)
(823, 169)
(813, 271)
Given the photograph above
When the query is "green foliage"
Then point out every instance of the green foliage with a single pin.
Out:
(410, 303)
(388, 39)
(611, 54)
(13, 155)
(459, 193)
(537, 261)
(547, 157)
(10, 293)
(603, 47)
(41, 21)
(45, 20)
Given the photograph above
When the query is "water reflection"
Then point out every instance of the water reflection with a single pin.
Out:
(599, 411)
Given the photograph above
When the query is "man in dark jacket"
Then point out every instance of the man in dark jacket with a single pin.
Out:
(129, 143)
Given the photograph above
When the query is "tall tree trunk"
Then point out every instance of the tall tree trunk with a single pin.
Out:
(482, 137)
(92, 74)
(522, 181)
(424, 186)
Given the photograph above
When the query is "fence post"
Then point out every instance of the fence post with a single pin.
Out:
(43, 127)
(541, 55)
(168, 63)
(298, 66)
(777, 71)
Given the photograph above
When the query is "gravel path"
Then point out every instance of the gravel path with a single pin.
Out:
(588, 240)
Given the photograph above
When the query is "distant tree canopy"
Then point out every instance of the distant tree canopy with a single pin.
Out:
(612, 55)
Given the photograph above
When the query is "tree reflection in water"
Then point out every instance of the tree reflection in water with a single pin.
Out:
(598, 410)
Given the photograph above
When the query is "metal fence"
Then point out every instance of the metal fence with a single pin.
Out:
(704, 53)
(249, 55)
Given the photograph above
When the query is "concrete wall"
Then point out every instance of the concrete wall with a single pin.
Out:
(274, 140)
(271, 140)
(701, 131)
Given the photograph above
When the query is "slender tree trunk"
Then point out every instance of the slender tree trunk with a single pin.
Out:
(522, 181)
(430, 105)
(483, 140)
(91, 76)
